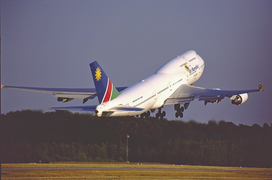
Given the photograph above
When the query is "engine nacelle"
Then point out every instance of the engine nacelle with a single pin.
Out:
(63, 99)
(239, 99)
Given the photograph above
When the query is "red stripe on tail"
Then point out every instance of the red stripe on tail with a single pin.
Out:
(107, 95)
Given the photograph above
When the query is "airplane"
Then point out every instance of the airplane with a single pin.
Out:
(171, 84)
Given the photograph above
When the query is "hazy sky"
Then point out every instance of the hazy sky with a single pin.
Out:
(50, 43)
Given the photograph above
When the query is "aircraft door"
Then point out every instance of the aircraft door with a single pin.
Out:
(170, 85)
(155, 95)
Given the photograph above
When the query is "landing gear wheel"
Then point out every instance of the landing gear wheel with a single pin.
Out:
(180, 109)
(177, 114)
(176, 107)
(147, 114)
(186, 105)
(160, 114)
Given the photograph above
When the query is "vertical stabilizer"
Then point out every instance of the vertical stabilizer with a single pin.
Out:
(104, 87)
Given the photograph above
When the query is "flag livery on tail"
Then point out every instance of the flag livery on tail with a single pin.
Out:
(104, 87)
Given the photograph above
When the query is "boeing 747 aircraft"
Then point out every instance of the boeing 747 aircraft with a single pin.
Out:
(171, 84)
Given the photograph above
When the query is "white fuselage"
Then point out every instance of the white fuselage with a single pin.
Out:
(151, 93)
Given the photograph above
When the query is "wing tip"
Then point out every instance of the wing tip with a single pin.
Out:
(261, 88)
(2, 86)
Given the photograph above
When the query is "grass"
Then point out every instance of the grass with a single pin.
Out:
(133, 171)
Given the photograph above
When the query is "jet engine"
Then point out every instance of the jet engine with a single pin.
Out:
(62, 99)
(239, 98)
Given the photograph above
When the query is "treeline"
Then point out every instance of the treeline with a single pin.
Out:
(33, 136)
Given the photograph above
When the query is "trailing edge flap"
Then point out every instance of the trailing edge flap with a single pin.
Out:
(187, 93)
(125, 108)
(76, 108)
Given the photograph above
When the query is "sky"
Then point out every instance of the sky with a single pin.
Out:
(50, 43)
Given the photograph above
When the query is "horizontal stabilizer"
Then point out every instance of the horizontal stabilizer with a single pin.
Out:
(76, 108)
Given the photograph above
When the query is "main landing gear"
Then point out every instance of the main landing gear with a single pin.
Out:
(145, 114)
(159, 114)
(180, 109)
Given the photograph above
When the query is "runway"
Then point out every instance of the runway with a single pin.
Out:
(129, 171)
(135, 169)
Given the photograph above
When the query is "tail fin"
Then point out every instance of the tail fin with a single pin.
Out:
(104, 87)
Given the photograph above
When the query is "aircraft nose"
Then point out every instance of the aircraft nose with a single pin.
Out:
(200, 59)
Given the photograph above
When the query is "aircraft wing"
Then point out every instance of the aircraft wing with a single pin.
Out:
(186, 93)
(63, 94)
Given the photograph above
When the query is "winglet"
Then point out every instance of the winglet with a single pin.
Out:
(261, 88)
